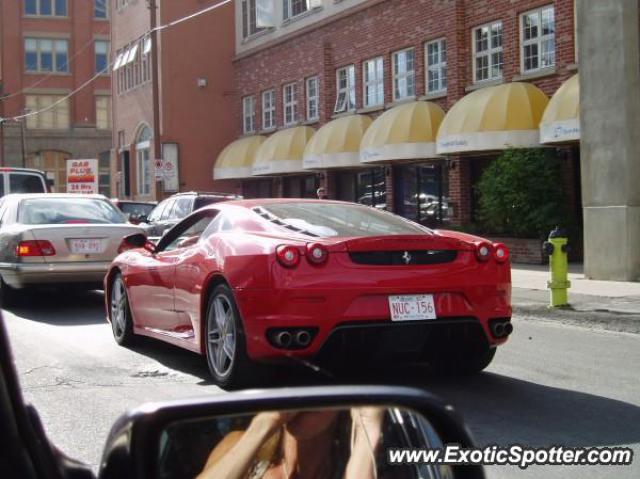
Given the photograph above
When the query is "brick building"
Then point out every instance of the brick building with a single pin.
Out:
(48, 49)
(170, 90)
(315, 64)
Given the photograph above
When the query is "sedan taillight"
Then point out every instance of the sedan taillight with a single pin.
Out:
(317, 253)
(35, 248)
(288, 256)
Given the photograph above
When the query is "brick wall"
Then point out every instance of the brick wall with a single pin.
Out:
(374, 29)
(522, 250)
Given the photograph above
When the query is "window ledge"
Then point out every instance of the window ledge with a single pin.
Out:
(290, 125)
(436, 95)
(58, 74)
(312, 121)
(266, 131)
(400, 102)
(484, 83)
(255, 36)
(301, 16)
(572, 67)
(26, 16)
(342, 114)
(543, 72)
(370, 109)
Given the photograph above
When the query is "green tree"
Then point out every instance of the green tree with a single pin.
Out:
(522, 194)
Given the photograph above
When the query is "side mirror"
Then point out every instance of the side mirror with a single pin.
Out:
(136, 240)
(328, 431)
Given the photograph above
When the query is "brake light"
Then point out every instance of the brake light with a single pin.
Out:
(317, 253)
(35, 248)
(483, 251)
(288, 256)
(500, 252)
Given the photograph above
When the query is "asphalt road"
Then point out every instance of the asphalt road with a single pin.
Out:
(552, 384)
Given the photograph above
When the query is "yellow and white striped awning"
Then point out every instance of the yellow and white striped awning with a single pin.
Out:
(561, 120)
(337, 143)
(236, 160)
(493, 118)
(402, 133)
(282, 152)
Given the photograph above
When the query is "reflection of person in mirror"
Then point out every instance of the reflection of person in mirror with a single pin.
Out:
(299, 445)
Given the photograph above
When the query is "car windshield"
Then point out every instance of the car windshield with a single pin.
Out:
(136, 209)
(42, 211)
(336, 219)
(26, 183)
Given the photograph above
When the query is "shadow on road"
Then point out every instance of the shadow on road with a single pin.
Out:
(505, 410)
(66, 307)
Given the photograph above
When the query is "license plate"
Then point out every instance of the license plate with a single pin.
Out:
(412, 307)
(86, 245)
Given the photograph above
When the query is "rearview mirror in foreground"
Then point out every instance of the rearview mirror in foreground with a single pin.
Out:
(136, 240)
(343, 431)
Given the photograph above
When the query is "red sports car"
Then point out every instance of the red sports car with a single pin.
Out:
(260, 280)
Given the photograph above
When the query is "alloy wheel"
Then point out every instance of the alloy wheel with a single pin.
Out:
(222, 336)
(118, 307)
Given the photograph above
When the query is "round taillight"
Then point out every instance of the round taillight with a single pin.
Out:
(483, 251)
(317, 253)
(500, 252)
(288, 256)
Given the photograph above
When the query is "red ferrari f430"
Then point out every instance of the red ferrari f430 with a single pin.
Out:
(263, 280)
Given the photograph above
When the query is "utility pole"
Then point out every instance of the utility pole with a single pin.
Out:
(155, 88)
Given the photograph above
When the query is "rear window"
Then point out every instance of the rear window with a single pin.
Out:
(337, 219)
(26, 183)
(46, 211)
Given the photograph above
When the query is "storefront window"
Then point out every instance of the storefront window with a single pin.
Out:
(257, 189)
(422, 193)
(300, 186)
(363, 186)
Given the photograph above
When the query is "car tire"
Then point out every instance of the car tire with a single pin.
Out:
(225, 343)
(465, 364)
(120, 312)
(9, 296)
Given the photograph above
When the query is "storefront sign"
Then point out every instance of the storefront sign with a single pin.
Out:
(82, 176)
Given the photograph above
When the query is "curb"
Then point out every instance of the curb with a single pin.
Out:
(605, 320)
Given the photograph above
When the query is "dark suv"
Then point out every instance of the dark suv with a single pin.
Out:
(176, 207)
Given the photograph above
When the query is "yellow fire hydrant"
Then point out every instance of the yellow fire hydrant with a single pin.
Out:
(557, 249)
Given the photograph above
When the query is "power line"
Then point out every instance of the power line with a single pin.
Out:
(108, 67)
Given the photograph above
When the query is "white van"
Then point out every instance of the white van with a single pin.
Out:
(22, 180)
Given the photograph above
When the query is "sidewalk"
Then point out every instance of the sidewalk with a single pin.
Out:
(613, 305)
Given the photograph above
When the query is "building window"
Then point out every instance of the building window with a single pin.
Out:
(120, 4)
(46, 55)
(143, 162)
(46, 8)
(313, 99)
(373, 74)
(249, 114)
(487, 49)
(538, 39)
(404, 74)
(103, 112)
(132, 65)
(249, 18)
(345, 89)
(436, 61)
(102, 56)
(293, 8)
(268, 109)
(54, 112)
(290, 102)
(100, 9)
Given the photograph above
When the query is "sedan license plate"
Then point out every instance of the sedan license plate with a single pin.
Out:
(412, 307)
(85, 245)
